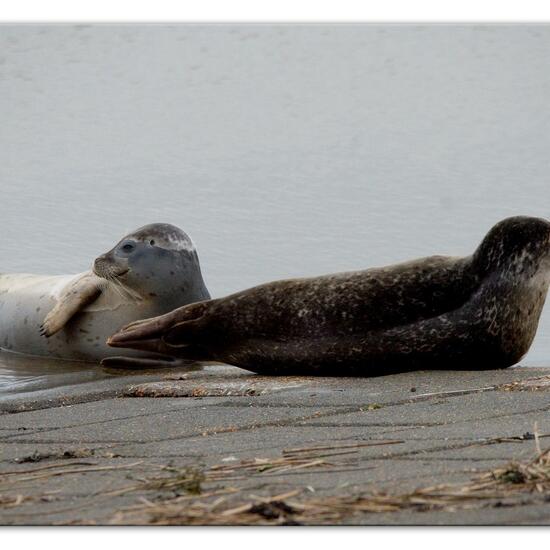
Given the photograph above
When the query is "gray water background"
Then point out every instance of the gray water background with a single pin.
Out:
(283, 150)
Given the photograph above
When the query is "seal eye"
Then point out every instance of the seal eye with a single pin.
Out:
(128, 247)
(152, 242)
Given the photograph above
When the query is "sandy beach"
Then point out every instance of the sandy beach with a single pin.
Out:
(222, 446)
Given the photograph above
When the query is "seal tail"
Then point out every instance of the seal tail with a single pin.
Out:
(156, 326)
(175, 334)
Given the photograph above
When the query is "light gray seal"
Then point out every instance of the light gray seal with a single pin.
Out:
(147, 273)
(474, 312)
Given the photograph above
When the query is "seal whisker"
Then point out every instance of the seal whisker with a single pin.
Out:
(114, 286)
(130, 293)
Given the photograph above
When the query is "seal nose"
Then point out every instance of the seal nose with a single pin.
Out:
(100, 264)
(97, 264)
(107, 266)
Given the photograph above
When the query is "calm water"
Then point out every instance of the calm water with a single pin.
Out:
(282, 150)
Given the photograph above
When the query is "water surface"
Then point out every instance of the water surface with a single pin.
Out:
(283, 151)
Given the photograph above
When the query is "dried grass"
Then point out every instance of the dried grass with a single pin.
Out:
(235, 507)
(192, 496)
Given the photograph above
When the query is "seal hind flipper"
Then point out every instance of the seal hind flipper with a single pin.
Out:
(76, 296)
(122, 362)
(189, 324)
(147, 329)
(185, 334)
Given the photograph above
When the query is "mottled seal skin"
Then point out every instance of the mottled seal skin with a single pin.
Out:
(475, 312)
(148, 272)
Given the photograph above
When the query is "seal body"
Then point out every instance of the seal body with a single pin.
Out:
(476, 312)
(71, 316)
(25, 300)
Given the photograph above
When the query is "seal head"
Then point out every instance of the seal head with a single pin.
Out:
(151, 260)
(515, 247)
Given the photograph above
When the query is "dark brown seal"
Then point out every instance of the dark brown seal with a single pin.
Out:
(476, 312)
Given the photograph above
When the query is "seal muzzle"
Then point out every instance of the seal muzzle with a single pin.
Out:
(108, 268)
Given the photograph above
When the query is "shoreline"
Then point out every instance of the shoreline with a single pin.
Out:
(95, 452)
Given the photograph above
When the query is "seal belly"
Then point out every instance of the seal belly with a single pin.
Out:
(85, 335)
(25, 300)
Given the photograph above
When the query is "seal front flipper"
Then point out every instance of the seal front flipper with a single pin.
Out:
(76, 296)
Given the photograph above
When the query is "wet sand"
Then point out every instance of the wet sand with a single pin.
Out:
(220, 445)
(22, 374)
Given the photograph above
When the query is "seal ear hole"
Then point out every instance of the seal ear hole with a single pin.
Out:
(152, 242)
